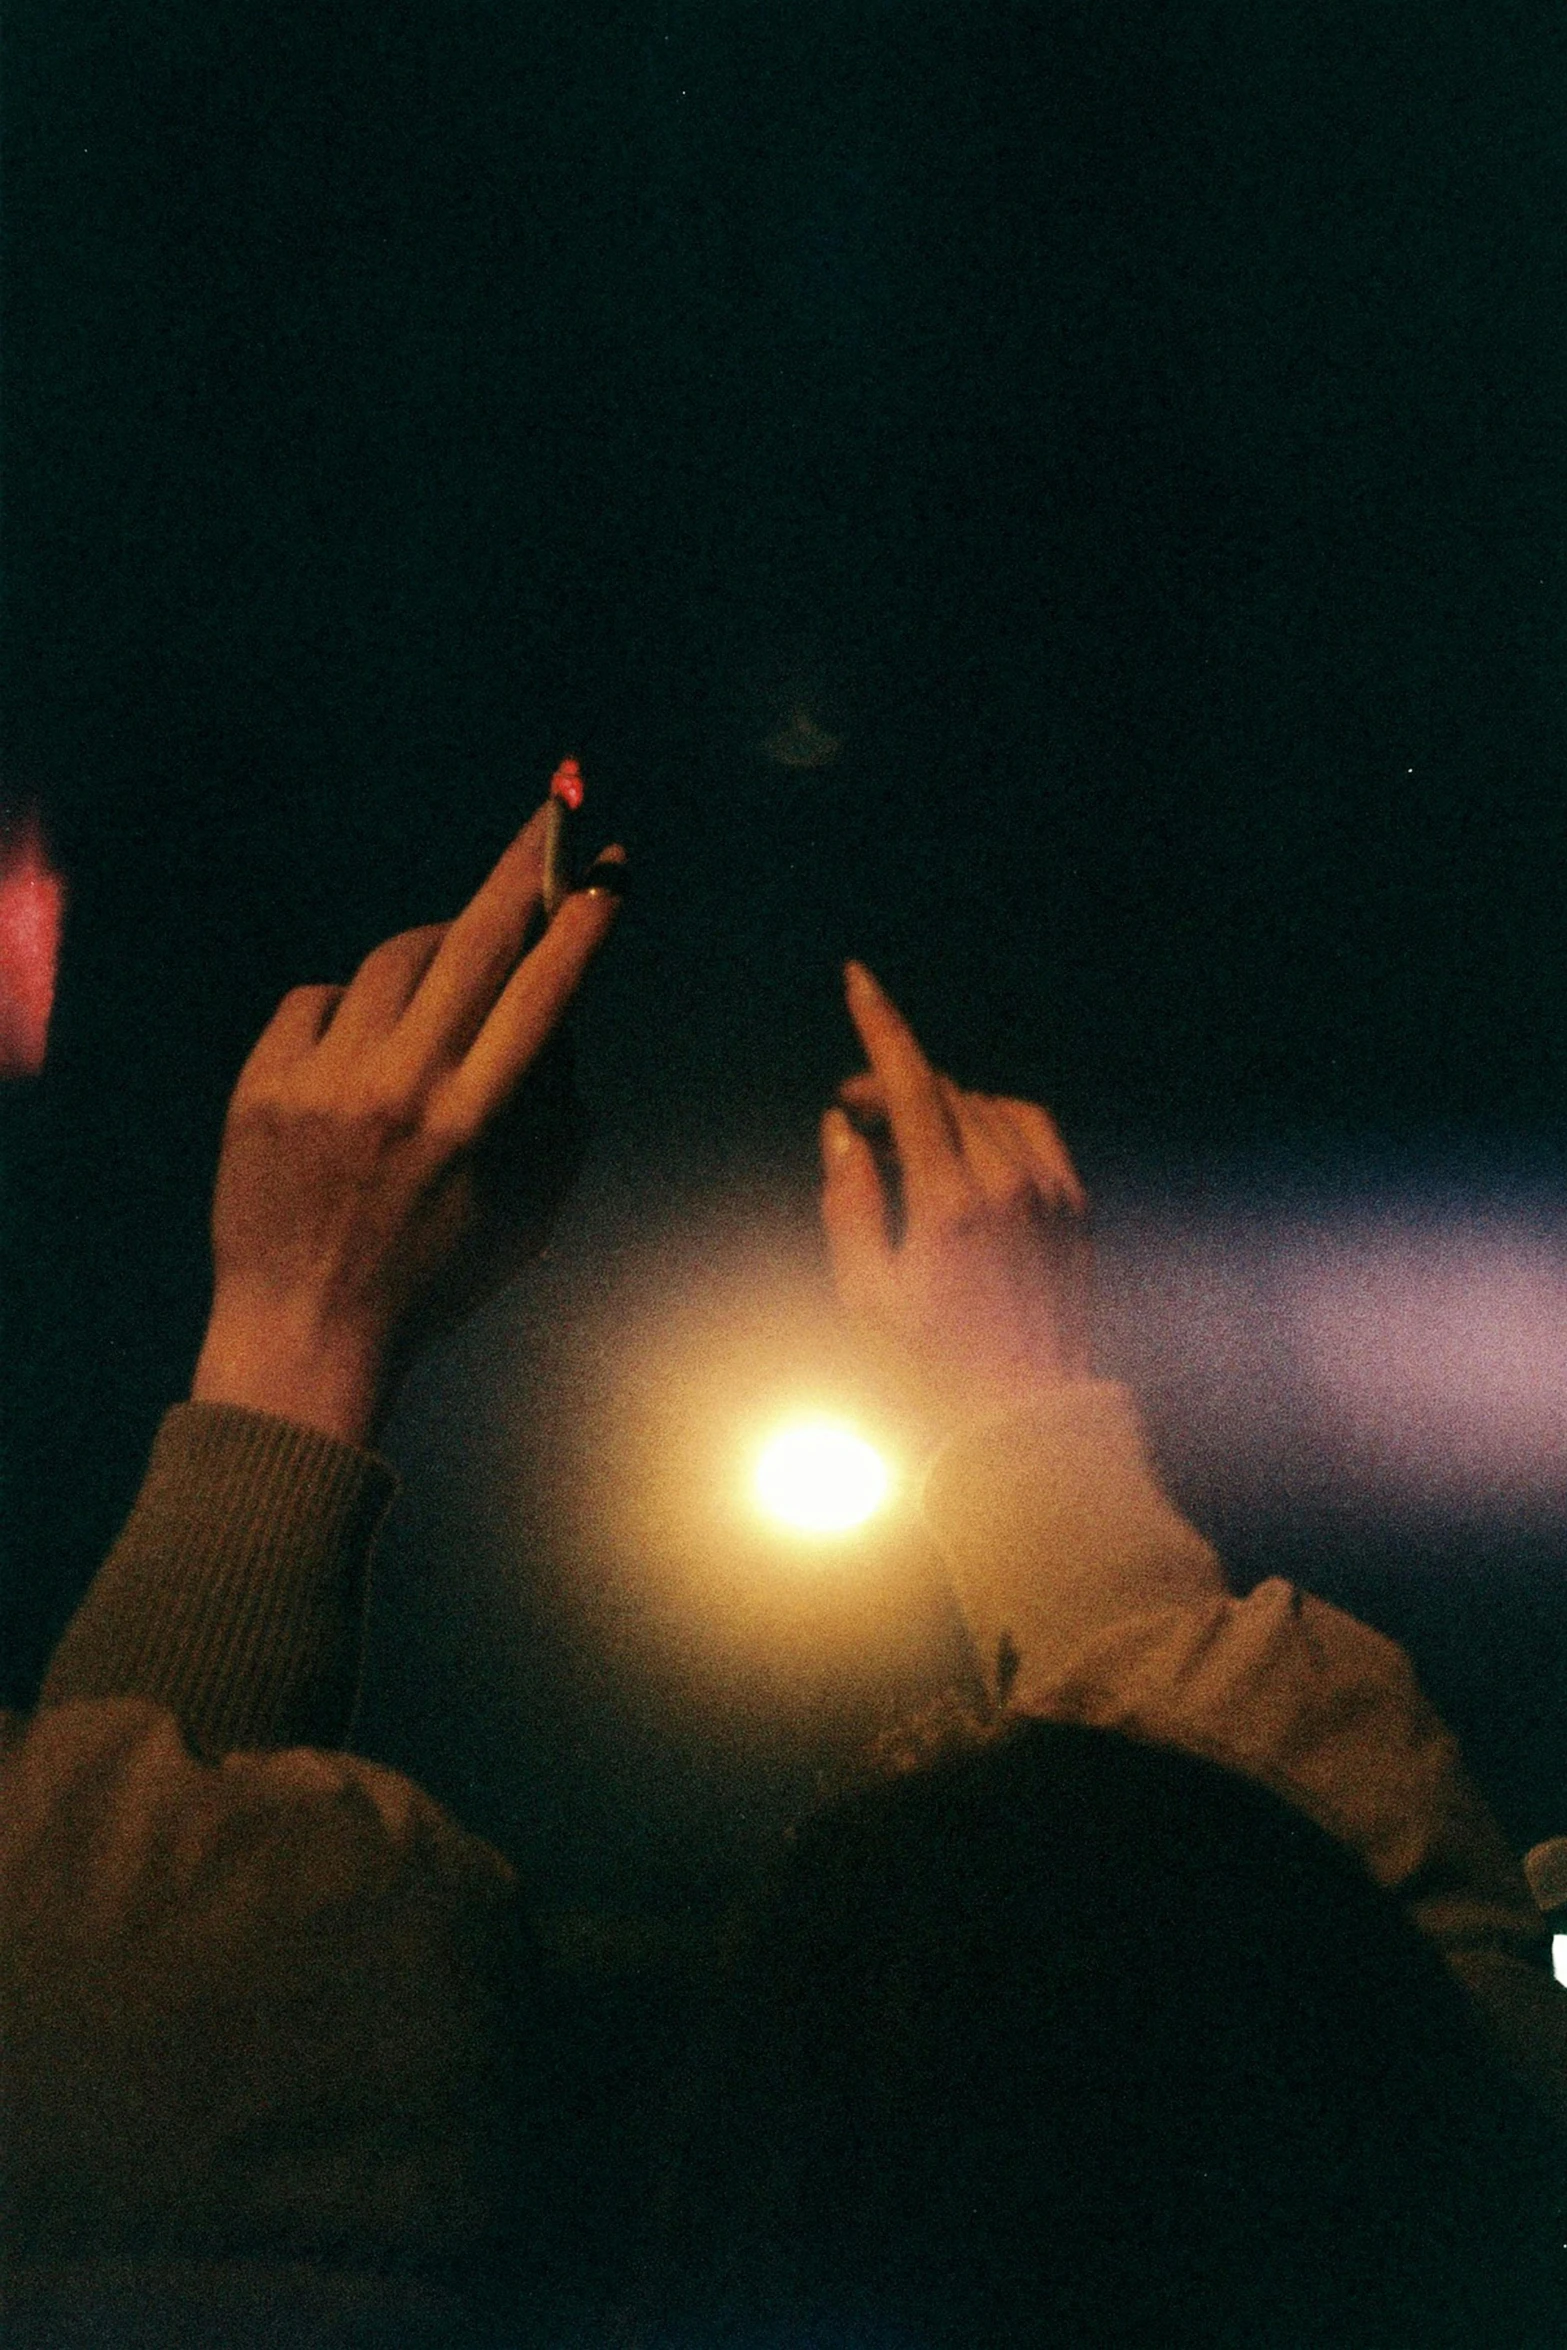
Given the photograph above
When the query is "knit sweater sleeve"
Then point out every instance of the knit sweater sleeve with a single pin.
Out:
(234, 1597)
(1102, 1606)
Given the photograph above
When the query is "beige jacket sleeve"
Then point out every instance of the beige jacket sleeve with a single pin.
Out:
(258, 2000)
(258, 2009)
(235, 1594)
(1091, 1600)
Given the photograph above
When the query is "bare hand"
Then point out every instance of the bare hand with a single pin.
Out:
(984, 1296)
(356, 1194)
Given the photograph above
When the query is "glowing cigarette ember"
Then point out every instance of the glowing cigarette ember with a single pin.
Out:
(32, 906)
(566, 790)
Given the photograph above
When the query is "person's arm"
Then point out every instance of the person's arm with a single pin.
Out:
(234, 1597)
(1112, 1612)
(263, 2002)
(365, 1188)
(1089, 1598)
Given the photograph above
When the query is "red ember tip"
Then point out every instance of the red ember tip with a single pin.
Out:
(566, 783)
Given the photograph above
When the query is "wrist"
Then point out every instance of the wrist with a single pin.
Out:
(1055, 1529)
(970, 1386)
(268, 1358)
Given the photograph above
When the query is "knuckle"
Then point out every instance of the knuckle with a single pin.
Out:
(1014, 1194)
(959, 1209)
(260, 1114)
(387, 1113)
(260, 1082)
(450, 1116)
(373, 1106)
(448, 1130)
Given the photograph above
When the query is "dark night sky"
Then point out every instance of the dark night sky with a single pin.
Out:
(1133, 433)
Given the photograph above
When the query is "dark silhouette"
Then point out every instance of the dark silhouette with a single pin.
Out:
(1067, 2040)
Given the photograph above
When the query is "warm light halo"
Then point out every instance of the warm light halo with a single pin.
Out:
(817, 1475)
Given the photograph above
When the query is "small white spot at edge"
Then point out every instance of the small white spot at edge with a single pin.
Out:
(1559, 1957)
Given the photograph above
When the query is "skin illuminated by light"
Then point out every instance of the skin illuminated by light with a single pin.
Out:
(818, 1477)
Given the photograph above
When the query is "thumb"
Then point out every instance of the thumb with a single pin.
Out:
(854, 1213)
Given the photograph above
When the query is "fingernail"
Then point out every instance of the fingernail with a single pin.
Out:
(836, 1135)
(609, 876)
(855, 974)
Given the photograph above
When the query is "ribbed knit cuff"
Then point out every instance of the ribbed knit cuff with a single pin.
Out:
(1054, 1528)
(235, 1594)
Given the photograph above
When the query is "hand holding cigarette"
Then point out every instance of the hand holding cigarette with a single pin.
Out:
(984, 1297)
(365, 1190)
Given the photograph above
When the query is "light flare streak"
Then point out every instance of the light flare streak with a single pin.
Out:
(1407, 1351)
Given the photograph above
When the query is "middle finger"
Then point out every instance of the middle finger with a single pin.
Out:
(474, 961)
(530, 1006)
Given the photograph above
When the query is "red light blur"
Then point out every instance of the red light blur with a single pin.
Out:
(32, 908)
(566, 783)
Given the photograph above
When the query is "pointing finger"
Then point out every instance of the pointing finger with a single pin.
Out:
(922, 1129)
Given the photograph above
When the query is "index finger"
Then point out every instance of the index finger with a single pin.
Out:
(929, 1152)
(532, 1003)
(476, 958)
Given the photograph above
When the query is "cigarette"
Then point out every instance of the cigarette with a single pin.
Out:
(565, 795)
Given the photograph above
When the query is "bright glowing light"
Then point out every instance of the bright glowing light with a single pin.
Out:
(820, 1478)
(1559, 1957)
